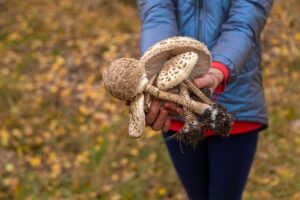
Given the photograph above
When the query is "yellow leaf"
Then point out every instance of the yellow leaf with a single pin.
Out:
(285, 172)
(55, 170)
(296, 196)
(162, 191)
(14, 36)
(35, 161)
(9, 167)
(297, 37)
(4, 136)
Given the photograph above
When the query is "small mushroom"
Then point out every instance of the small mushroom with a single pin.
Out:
(176, 70)
(173, 73)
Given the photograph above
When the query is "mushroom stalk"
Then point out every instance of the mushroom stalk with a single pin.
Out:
(194, 106)
(147, 101)
(193, 131)
(191, 122)
(197, 92)
(136, 117)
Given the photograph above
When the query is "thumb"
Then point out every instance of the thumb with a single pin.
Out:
(204, 82)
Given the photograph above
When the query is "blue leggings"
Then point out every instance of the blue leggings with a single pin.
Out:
(217, 169)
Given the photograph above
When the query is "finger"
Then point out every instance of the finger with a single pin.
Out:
(180, 111)
(171, 106)
(171, 112)
(204, 82)
(160, 121)
(167, 124)
(153, 113)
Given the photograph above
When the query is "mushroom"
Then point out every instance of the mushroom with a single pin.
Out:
(215, 118)
(156, 56)
(176, 70)
(181, 59)
(176, 59)
(126, 79)
(173, 73)
(160, 54)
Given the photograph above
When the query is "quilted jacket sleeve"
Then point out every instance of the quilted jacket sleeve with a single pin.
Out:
(245, 22)
(158, 21)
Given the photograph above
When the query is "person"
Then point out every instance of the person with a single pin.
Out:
(218, 168)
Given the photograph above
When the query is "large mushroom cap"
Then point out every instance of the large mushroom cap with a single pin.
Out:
(155, 57)
(125, 78)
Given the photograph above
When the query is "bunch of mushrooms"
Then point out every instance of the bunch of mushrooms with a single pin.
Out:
(165, 72)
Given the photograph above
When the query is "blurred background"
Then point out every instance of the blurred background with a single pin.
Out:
(63, 137)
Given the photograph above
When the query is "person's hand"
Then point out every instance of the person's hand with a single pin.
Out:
(158, 117)
(210, 80)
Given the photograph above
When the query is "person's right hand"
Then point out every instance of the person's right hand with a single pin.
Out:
(158, 118)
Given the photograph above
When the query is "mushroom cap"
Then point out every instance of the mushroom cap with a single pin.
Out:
(125, 78)
(176, 70)
(155, 57)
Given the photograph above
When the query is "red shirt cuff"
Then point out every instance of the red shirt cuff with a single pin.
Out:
(220, 66)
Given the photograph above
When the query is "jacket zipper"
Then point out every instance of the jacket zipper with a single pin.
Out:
(200, 18)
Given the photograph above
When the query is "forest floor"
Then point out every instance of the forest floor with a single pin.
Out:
(63, 137)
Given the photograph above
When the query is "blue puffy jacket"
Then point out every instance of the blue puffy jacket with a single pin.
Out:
(231, 29)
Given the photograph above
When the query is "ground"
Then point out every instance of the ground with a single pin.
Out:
(63, 137)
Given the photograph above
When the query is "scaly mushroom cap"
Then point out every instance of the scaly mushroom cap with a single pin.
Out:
(176, 70)
(125, 78)
(155, 57)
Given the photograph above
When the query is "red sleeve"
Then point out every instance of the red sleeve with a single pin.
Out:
(218, 65)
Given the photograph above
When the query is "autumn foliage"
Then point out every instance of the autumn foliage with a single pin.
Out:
(63, 137)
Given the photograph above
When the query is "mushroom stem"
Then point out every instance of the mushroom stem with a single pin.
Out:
(147, 101)
(194, 106)
(191, 124)
(136, 117)
(197, 92)
(193, 131)
(190, 117)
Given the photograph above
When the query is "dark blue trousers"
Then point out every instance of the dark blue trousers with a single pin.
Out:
(217, 169)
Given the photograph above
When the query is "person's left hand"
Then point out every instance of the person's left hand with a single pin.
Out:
(210, 80)
(158, 117)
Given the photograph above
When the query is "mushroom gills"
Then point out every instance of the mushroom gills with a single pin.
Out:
(176, 70)
(137, 117)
